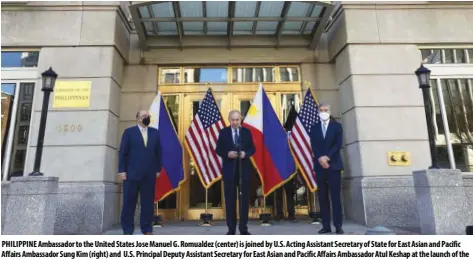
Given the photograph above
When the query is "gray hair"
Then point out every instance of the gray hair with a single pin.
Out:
(324, 105)
(232, 112)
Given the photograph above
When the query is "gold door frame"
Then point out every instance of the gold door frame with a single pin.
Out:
(231, 94)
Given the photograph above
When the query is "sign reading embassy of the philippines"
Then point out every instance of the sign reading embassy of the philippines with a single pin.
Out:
(71, 94)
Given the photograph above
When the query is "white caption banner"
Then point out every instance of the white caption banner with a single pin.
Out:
(236, 247)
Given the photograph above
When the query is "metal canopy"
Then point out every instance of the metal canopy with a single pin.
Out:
(230, 24)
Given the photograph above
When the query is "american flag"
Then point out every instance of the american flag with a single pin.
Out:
(300, 138)
(201, 140)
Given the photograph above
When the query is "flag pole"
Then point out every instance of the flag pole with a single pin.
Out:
(264, 217)
(314, 214)
(157, 218)
(206, 217)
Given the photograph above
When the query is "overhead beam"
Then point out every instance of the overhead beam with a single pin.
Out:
(204, 14)
(238, 41)
(309, 13)
(285, 10)
(139, 27)
(257, 9)
(138, 4)
(320, 26)
(151, 14)
(230, 23)
(234, 19)
(177, 15)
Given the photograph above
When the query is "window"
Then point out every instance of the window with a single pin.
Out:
(18, 59)
(452, 96)
(447, 56)
(236, 74)
(240, 75)
(455, 97)
(289, 74)
(170, 76)
(205, 75)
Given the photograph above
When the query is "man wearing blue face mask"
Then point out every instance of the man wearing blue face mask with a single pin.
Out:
(139, 165)
(326, 139)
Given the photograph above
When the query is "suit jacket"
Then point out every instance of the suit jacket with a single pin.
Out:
(136, 159)
(225, 144)
(329, 146)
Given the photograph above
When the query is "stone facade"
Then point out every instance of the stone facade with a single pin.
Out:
(363, 67)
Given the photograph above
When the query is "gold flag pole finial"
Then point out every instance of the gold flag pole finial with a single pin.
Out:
(306, 84)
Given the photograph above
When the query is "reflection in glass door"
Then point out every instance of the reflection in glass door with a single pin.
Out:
(16, 119)
(8, 119)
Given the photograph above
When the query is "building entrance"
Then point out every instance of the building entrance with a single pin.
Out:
(183, 101)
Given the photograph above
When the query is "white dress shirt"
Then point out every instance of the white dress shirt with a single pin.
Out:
(145, 131)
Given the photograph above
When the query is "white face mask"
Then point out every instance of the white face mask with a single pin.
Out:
(324, 116)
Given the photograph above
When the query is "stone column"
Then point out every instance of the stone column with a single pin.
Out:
(468, 186)
(382, 111)
(80, 145)
(441, 202)
(5, 189)
(31, 206)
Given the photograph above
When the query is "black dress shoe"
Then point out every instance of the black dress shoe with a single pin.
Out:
(340, 231)
(292, 219)
(245, 233)
(278, 218)
(230, 233)
(325, 231)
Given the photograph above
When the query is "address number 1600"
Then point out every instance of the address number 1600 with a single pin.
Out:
(69, 128)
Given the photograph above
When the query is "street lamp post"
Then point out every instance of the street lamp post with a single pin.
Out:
(423, 76)
(49, 78)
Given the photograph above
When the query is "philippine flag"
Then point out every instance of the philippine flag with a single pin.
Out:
(172, 171)
(273, 158)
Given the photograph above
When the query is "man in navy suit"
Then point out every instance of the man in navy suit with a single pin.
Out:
(326, 141)
(230, 140)
(139, 166)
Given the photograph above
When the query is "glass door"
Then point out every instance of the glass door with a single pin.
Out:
(193, 192)
(17, 101)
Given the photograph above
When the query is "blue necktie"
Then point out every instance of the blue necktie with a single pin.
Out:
(235, 137)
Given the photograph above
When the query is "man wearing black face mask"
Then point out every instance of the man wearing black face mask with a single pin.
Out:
(139, 166)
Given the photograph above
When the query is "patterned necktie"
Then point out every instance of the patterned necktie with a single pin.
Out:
(145, 137)
(235, 138)
(324, 127)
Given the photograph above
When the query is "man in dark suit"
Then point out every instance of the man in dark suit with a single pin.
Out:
(289, 187)
(230, 140)
(326, 141)
(139, 166)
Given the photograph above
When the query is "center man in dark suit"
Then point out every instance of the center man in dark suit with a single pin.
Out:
(139, 166)
(230, 140)
(326, 139)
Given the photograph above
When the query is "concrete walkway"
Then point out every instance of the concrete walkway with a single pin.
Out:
(277, 228)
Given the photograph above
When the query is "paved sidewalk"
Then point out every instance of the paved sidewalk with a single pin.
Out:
(277, 228)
